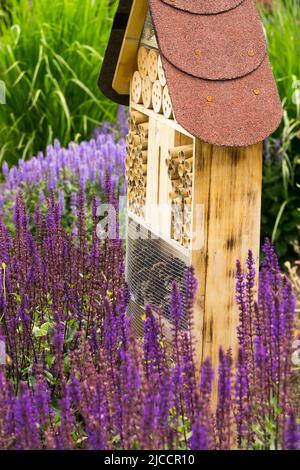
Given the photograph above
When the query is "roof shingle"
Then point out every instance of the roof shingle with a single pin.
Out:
(204, 7)
(219, 77)
(217, 47)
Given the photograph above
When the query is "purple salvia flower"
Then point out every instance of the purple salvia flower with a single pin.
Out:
(242, 401)
(153, 353)
(26, 422)
(199, 439)
(292, 433)
(223, 413)
(176, 316)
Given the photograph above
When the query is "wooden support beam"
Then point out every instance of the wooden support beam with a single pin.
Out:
(127, 63)
(226, 223)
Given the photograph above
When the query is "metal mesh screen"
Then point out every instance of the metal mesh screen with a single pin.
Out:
(152, 265)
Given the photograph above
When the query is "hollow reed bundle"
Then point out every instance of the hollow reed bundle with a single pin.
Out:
(180, 170)
(136, 162)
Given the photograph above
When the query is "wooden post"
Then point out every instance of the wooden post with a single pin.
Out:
(226, 223)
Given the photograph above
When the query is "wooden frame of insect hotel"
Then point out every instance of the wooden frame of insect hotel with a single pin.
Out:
(201, 98)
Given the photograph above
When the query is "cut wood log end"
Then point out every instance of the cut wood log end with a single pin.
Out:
(166, 103)
(161, 73)
(152, 65)
(147, 92)
(157, 97)
(142, 60)
(136, 88)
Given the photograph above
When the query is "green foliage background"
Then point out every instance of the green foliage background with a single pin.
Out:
(281, 190)
(50, 60)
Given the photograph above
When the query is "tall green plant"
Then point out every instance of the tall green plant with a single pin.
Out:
(50, 58)
(281, 194)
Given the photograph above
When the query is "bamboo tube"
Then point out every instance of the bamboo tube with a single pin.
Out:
(152, 65)
(131, 175)
(143, 129)
(178, 228)
(185, 241)
(188, 164)
(142, 61)
(178, 202)
(175, 185)
(143, 156)
(177, 214)
(136, 140)
(161, 73)
(127, 162)
(157, 97)
(189, 178)
(143, 145)
(143, 180)
(187, 211)
(187, 228)
(136, 88)
(166, 103)
(133, 154)
(171, 160)
(173, 152)
(138, 118)
(174, 164)
(181, 169)
(147, 92)
(178, 217)
(131, 125)
(173, 195)
(173, 175)
(181, 158)
(186, 151)
(139, 140)
(184, 192)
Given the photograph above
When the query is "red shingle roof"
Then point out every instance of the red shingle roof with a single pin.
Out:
(219, 77)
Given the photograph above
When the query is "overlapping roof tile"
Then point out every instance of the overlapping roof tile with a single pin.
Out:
(219, 77)
(204, 7)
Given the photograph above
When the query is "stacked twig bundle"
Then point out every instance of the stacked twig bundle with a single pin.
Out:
(149, 86)
(136, 161)
(180, 168)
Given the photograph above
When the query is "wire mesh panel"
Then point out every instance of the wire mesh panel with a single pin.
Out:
(152, 266)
